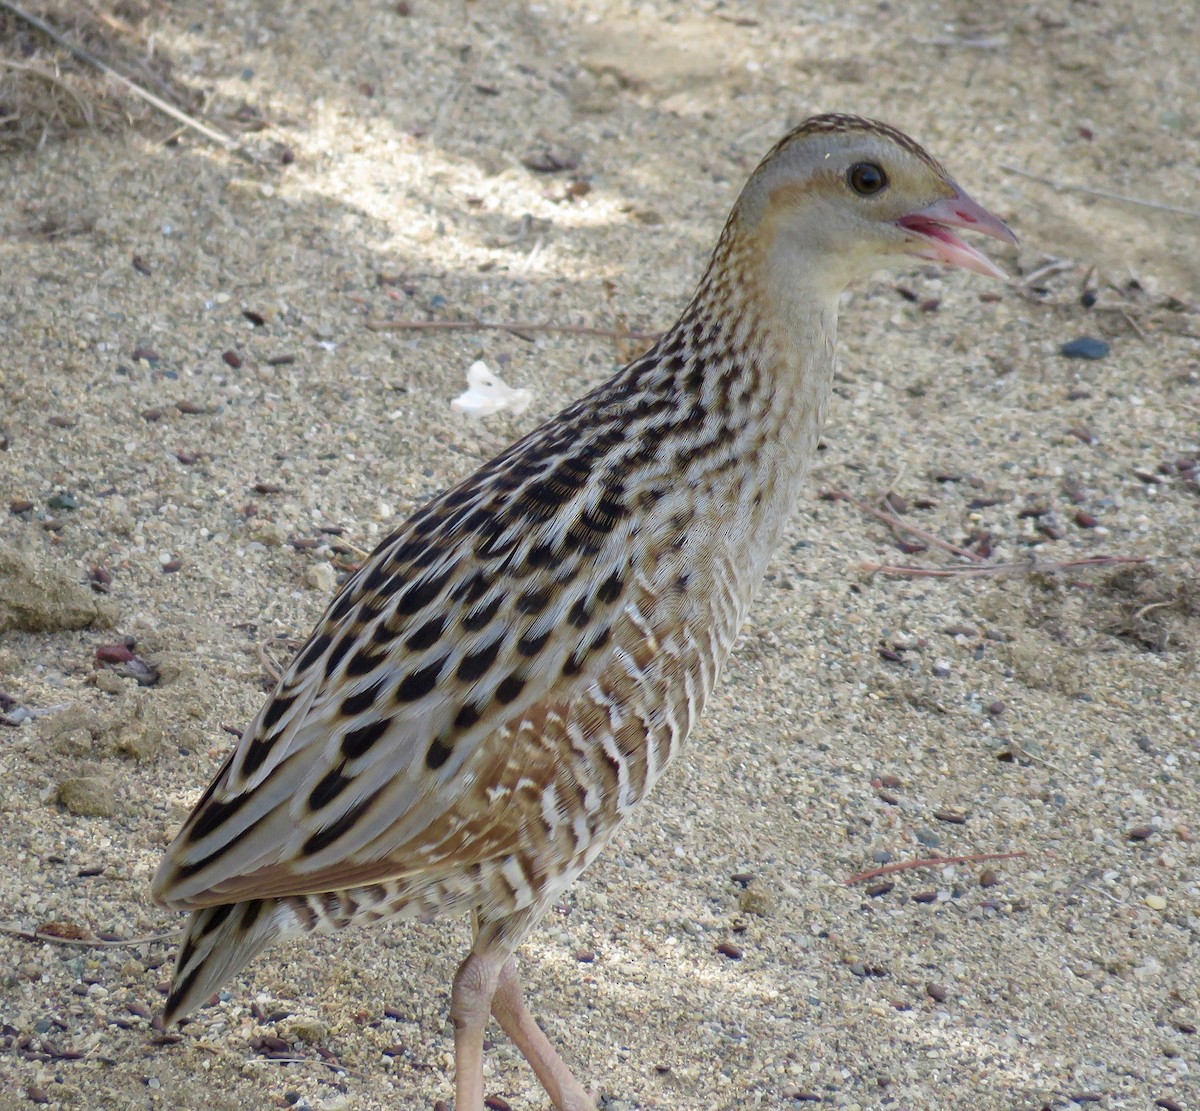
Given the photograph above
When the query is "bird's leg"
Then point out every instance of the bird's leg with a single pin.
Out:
(470, 1005)
(508, 1008)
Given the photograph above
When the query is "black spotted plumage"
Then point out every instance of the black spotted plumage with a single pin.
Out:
(498, 687)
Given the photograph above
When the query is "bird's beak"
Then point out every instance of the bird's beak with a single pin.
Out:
(934, 239)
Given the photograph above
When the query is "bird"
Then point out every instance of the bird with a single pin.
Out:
(506, 677)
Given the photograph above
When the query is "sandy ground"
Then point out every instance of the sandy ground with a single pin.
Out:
(185, 355)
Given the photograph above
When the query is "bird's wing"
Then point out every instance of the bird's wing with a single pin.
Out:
(498, 593)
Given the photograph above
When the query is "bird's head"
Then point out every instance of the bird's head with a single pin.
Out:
(847, 195)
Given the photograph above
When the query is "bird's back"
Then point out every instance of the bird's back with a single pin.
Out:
(511, 671)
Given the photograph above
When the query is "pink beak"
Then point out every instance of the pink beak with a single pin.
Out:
(934, 239)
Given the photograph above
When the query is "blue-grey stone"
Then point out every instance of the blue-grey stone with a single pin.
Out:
(1085, 347)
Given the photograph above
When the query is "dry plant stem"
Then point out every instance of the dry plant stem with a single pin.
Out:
(1054, 266)
(85, 942)
(930, 862)
(494, 326)
(1147, 609)
(1036, 567)
(347, 548)
(163, 106)
(1060, 186)
(1129, 313)
(264, 658)
(1025, 754)
(1131, 320)
(51, 78)
(897, 523)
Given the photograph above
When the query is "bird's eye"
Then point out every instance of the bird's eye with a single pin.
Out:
(865, 178)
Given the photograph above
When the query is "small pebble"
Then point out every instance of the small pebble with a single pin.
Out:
(1085, 347)
(268, 532)
(1155, 902)
(310, 1030)
(90, 796)
(758, 899)
(320, 576)
(937, 992)
(988, 878)
(728, 949)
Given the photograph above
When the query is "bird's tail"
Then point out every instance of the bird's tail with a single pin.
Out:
(218, 942)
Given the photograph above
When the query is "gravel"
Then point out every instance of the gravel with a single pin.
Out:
(199, 435)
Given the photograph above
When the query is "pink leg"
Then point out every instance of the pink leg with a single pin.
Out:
(470, 1006)
(508, 1008)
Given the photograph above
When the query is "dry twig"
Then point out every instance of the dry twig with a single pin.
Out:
(1060, 187)
(1053, 266)
(86, 942)
(898, 524)
(168, 109)
(930, 862)
(274, 670)
(497, 326)
(1033, 567)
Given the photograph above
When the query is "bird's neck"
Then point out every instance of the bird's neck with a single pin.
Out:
(718, 423)
(759, 338)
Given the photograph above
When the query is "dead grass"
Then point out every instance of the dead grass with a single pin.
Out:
(46, 92)
(1155, 609)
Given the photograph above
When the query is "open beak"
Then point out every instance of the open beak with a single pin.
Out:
(934, 239)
